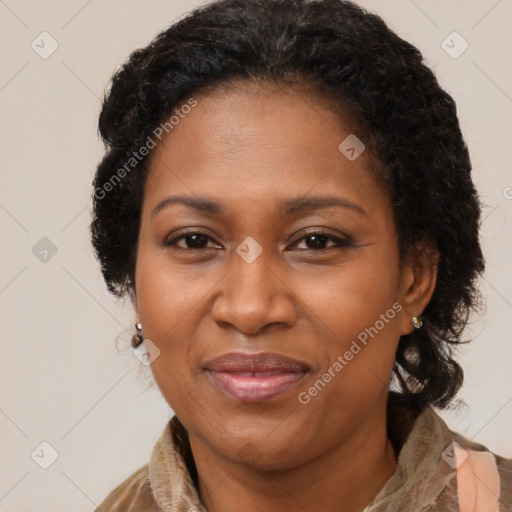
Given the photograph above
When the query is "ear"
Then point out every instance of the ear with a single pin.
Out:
(417, 283)
(133, 297)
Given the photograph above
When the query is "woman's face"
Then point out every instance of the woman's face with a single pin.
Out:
(276, 343)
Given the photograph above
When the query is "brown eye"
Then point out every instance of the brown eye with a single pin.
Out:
(192, 241)
(318, 241)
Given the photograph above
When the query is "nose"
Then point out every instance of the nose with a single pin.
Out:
(254, 296)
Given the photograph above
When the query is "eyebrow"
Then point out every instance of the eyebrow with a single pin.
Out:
(287, 207)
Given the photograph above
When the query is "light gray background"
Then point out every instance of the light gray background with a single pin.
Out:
(62, 378)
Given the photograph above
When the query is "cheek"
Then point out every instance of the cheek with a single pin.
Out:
(358, 311)
(164, 304)
(359, 316)
(167, 293)
(352, 297)
(173, 308)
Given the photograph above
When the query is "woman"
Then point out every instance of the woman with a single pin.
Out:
(286, 196)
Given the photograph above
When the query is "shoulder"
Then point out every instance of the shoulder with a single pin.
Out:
(505, 471)
(134, 494)
(462, 472)
(503, 464)
(483, 465)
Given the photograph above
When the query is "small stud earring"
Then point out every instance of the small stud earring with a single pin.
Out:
(417, 322)
(137, 338)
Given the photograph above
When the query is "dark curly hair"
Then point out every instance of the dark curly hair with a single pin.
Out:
(351, 57)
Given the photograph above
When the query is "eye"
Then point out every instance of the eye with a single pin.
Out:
(315, 241)
(194, 241)
(318, 239)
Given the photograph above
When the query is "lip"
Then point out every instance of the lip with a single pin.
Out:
(255, 377)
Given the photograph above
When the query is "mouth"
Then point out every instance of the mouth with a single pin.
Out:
(255, 377)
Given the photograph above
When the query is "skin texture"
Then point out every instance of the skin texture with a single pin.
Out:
(249, 150)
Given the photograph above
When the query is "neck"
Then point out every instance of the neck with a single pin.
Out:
(347, 477)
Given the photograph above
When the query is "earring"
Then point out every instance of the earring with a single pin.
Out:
(417, 322)
(137, 338)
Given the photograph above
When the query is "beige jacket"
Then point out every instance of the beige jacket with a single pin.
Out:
(438, 470)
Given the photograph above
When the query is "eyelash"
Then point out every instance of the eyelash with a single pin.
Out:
(341, 243)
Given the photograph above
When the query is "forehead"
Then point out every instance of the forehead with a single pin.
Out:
(256, 145)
